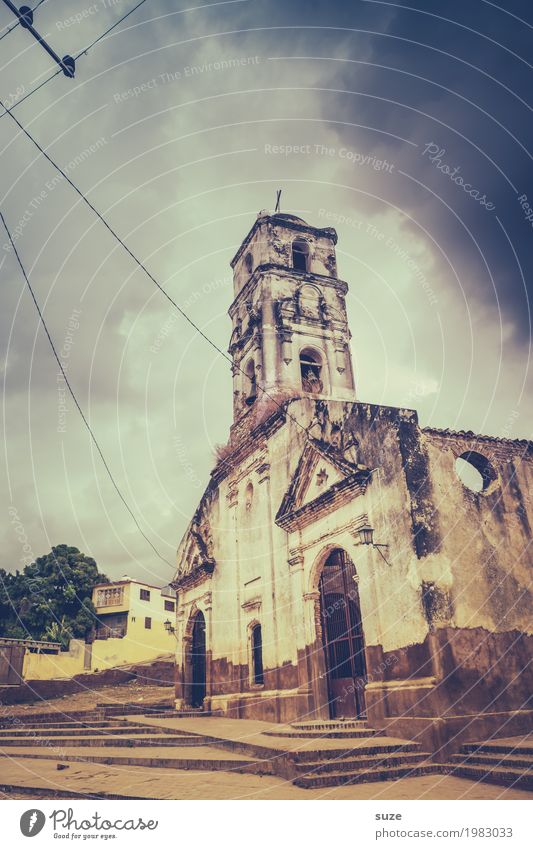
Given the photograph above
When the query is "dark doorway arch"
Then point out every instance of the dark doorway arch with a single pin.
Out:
(198, 661)
(342, 636)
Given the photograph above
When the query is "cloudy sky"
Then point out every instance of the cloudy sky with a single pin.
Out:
(374, 117)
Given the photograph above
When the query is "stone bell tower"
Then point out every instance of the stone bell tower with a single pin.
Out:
(290, 331)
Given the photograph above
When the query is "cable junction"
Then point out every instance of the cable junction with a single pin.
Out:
(25, 18)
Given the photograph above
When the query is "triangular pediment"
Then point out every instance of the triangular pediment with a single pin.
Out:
(323, 480)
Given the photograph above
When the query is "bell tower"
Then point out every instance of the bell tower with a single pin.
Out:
(290, 331)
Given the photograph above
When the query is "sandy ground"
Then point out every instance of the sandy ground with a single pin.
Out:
(157, 783)
(88, 699)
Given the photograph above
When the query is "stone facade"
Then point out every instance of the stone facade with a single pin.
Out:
(336, 564)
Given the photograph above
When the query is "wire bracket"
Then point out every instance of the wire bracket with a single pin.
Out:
(25, 19)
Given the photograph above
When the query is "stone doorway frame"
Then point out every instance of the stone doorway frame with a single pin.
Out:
(316, 657)
(184, 699)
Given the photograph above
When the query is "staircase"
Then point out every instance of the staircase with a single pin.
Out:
(334, 729)
(506, 761)
(103, 736)
(372, 757)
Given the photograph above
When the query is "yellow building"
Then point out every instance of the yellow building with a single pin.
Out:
(130, 628)
(131, 618)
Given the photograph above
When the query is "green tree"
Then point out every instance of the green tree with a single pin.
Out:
(50, 598)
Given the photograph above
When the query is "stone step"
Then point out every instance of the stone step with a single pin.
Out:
(57, 718)
(497, 748)
(67, 726)
(495, 775)
(36, 792)
(361, 776)
(330, 725)
(136, 709)
(358, 763)
(132, 741)
(88, 731)
(185, 714)
(523, 762)
(165, 759)
(352, 733)
(363, 750)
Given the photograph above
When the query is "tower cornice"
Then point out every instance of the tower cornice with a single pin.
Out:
(288, 222)
(335, 283)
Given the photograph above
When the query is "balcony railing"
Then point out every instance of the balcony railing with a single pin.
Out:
(110, 597)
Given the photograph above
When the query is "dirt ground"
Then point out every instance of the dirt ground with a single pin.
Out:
(41, 776)
(131, 692)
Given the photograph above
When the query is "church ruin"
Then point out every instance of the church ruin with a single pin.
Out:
(337, 566)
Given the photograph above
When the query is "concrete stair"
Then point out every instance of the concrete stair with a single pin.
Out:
(182, 714)
(378, 759)
(361, 776)
(120, 742)
(329, 725)
(509, 763)
(155, 757)
(106, 711)
(131, 741)
(375, 761)
(335, 729)
(110, 730)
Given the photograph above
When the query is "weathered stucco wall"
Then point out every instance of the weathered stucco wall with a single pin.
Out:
(62, 665)
(454, 573)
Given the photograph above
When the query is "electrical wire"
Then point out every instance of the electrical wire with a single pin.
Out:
(76, 57)
(144, 268)
(74, 398)
(18, 22)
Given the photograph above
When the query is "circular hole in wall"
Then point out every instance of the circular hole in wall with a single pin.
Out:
(474, 471)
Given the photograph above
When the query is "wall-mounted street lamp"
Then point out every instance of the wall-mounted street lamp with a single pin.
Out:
(169, 627)
(366, 537)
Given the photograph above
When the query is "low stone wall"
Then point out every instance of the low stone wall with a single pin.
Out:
(160, 673)
(35, 691)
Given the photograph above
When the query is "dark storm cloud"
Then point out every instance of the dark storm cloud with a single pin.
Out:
(464, 87)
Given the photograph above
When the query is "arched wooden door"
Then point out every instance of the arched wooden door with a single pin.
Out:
(198, 663)
(342, 634)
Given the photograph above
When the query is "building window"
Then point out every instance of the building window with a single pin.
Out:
(251, 389)
(257, 655)
(145, 595)
(147, 622)
(310, 370)
(170, 605)
(300, 255)
(249, 496)
(249, 263)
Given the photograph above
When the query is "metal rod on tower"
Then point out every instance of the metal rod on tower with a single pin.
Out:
(278, 198)
(25, 19)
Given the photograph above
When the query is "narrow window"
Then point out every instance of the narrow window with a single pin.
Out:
(257, 655)
(310, 370)
(300, 255)
(251, 391)
(147, 622)
(145, 595)
(249, 496)
(170, 605)
(249, 263)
